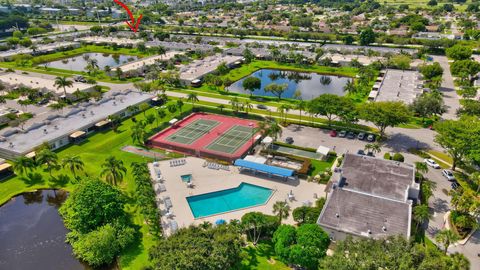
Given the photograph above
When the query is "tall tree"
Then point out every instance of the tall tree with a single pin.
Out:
(385, 114)
(276, 89)
(23, 164)
(192, 98)
(73, 163)
(282, 210)
(49, 159)
(460, 138)
(446, 238)
(113, 170)
(251, 84)
(421, 214)
(330, 106)
(63, 82)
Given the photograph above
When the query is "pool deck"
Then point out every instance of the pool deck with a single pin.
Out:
(207, 180)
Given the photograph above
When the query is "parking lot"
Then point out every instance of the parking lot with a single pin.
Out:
(314, 137)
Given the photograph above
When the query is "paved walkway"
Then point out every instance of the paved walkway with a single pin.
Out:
(450, 97)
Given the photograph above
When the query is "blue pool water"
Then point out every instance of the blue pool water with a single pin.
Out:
(244, 196)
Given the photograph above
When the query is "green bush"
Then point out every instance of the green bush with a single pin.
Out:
(398, 157)
(387, 156)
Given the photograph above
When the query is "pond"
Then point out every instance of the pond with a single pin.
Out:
(79, 62)
(32, 234)
(310, 85)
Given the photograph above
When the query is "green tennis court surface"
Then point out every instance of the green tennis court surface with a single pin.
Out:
(193, 131)
(230, 141)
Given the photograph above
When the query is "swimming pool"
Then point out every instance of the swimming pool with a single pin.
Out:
(186, 178)
(244, 196)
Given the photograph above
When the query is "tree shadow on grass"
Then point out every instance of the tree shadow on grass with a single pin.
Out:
(32, 178)
(59, 181)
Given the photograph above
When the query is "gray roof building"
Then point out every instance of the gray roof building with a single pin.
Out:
(371, 198)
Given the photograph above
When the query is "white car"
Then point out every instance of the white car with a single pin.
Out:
(449, 175)
(431, 163)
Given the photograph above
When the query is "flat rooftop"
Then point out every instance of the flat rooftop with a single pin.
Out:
(199, 68)
(119, 41)
(399, 85)
(365, 49)
(41, 83)
(74, 118)
(378, 177)
(364, 60)
(148, 61)
(41, 48)
(364, 215)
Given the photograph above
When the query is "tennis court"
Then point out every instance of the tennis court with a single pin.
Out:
(232, 140)
(193, 131)
(208, 135)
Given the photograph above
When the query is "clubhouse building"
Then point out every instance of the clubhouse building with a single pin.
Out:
(370, 197)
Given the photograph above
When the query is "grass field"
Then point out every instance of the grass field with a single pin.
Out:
(93, 152)
(261, 257)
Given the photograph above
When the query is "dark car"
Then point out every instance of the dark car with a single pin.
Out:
(361, 136)
(351, 135)
(361, 152)
(454, 185)
(289, 140)
(262, 107)
(370, 154)
(43, 101)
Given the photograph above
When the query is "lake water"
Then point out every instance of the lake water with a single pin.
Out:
(32, 234)
(311, 85)
(79, 62)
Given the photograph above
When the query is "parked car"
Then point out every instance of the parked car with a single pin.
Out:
(351, 135)
(262, 107)
(361, 152)
(371, 138)
(43, 101)
(80, 78)
(361, 136)
(370, 154)
(333, 133)
(12, 110)
(289, 140)
(431, 163)
(342, 134)
(454, 185)
(449, 175)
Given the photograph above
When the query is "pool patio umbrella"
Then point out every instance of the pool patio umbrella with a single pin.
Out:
(220, 222)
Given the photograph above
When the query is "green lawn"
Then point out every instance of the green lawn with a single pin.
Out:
(320, 166)
(93, 152)
(261, 257)
(35, 65)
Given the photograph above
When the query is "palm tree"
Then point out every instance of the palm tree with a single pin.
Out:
(63, 82)
(49, 158)
(282, 210)
(73, 163)
(421, 167)
(248, 106)
(179, 105)
(459, 261)
(446, 237)
(235, 103)
(301, 106)
(221, 107)
(275, 130)
(281, 111)
(373, 147)
(421, 214)
(138, 133)
(113, 170)
(94, 64)
(23, 164)
(192, 98)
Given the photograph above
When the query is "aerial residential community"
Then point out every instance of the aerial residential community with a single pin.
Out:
(240, 134)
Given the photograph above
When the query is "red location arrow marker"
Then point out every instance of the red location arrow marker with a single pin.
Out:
(134, 24)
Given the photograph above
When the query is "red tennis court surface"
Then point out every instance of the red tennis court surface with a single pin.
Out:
(208, 135)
